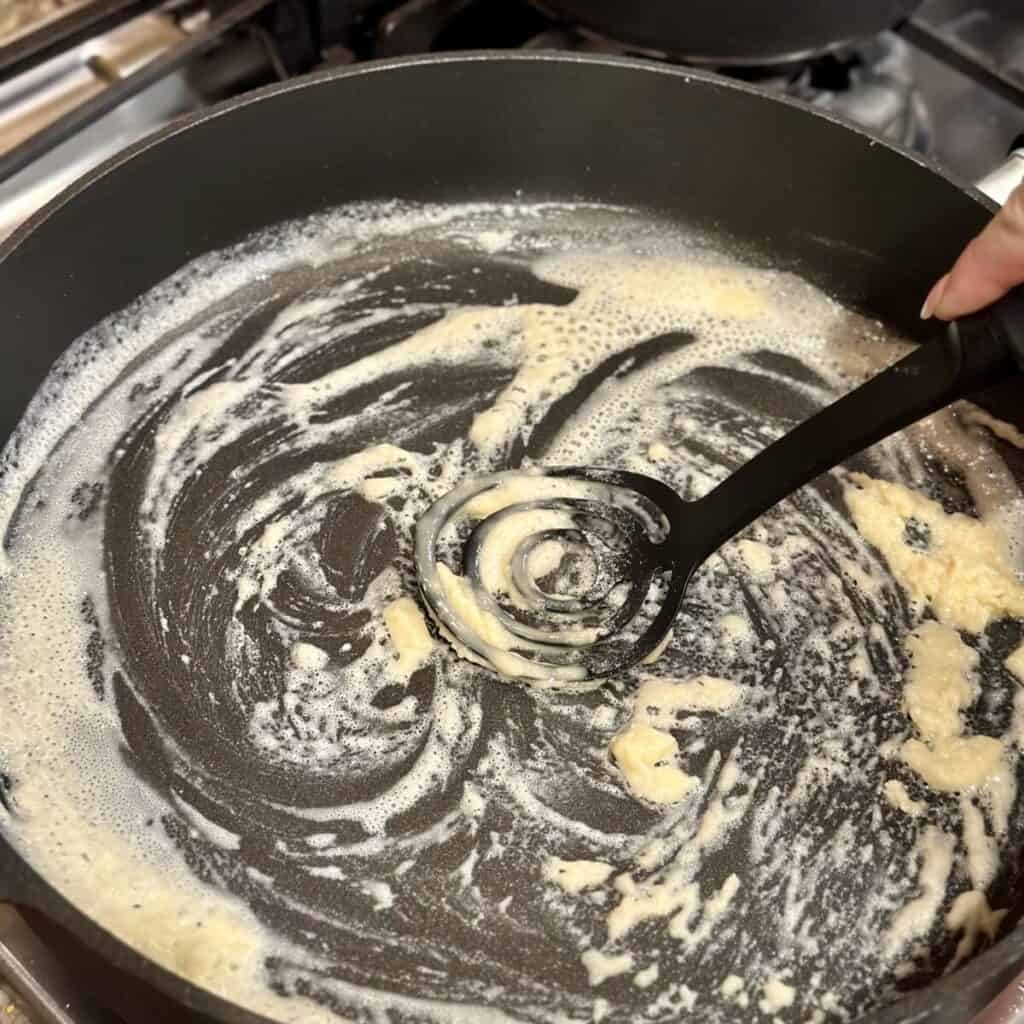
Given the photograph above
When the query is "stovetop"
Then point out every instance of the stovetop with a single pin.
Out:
(62, 115)
(80, 79)
(18, 17)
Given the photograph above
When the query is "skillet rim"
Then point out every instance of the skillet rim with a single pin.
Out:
(1000, 961)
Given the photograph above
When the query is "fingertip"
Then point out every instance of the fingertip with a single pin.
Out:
(934, 297)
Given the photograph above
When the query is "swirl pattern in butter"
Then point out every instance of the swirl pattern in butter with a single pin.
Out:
(230, 738)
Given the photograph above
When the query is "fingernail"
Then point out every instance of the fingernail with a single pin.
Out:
(934, 297)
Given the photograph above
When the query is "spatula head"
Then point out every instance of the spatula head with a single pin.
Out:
(561, 575)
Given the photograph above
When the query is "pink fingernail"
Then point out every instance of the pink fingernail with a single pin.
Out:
(934, 297)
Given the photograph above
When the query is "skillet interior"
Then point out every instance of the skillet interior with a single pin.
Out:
(798, 245)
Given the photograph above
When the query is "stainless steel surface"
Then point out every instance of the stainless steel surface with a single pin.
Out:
(879, 92)
(973, 128)
(28, 190)
(1002, 180)
(38, 97)
(18, 17)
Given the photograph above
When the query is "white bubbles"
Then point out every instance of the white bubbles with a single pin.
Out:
(330, 707)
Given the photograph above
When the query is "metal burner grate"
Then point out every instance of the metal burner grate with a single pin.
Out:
(18, 17)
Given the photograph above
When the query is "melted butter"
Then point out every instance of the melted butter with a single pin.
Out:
(409, 635)
(553, 347)
(498, 641)
(732, 985)
(647, 977)
(602, 966)
(971, 916)
(670, 891)
(647, 758)
(455, 800)
(497, 552)
(982, 848)
(757, 556)
(934, 853)
(646, 753)
(545, 559)
(658, 451)
(309, 657)
(1003, 430)
(963, 573)
(896, 793)
(659, 699)
(696, 919)
(939, 687)
(776, 995)
(576, 875)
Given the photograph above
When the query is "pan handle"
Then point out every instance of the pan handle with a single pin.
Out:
(1008, 1006)
(1002, 180)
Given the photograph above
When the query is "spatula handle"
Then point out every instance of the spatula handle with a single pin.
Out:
(975, 353)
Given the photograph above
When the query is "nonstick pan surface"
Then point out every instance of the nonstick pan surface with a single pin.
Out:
(440, 896)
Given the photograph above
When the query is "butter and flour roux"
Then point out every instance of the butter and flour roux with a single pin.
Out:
(319, 764)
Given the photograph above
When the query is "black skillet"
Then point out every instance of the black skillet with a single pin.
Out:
(736, 32)
(871, 224)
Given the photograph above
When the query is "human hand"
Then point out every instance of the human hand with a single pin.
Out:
(990, 265)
